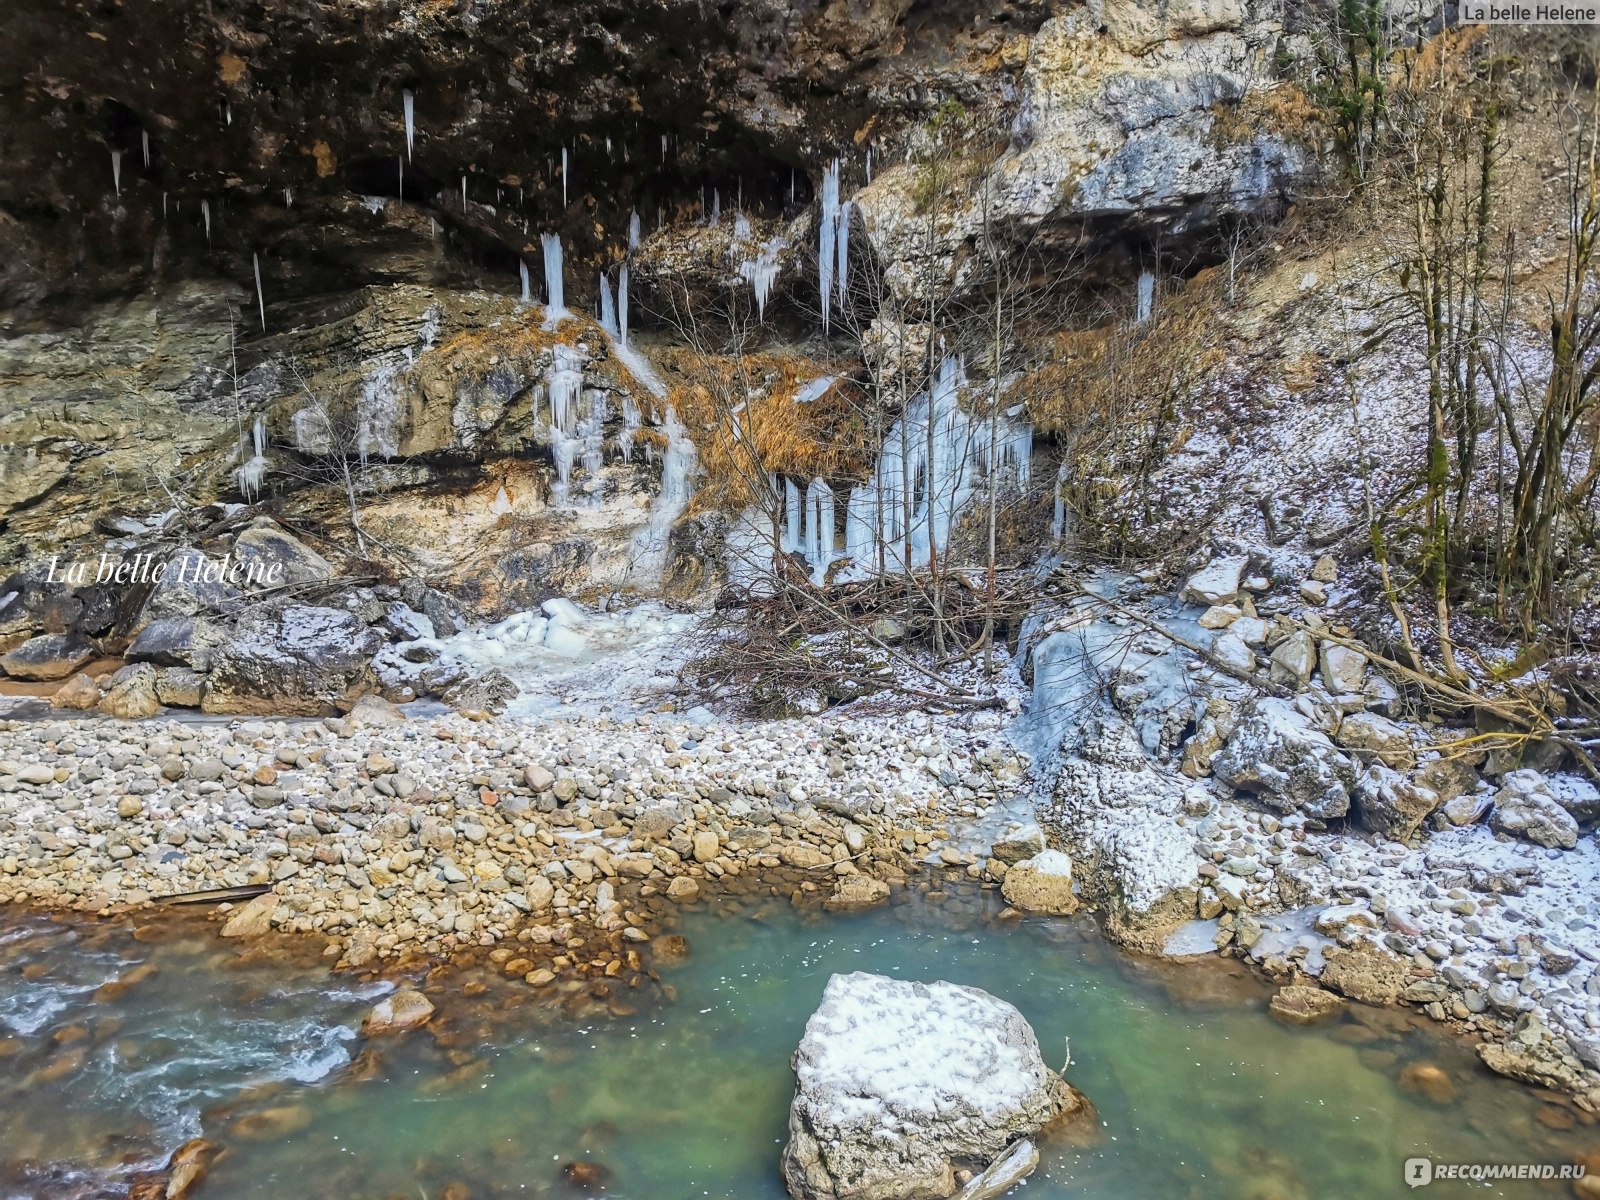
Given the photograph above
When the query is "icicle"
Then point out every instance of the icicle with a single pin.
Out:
(260, 296)
(1147, 297)
(205, 216)
(144, 139)
(677, 475)
(247, 477)
(463, 193)
(630, 427)
(741, 227)
(608, 307)
(563, 177)
(116, 170)
(555, 292)
(163, 206)
(634, 231)
(828, 236)
(609, 154)
(527, 292)
(791, 187)
(869, 164)
(716, 205)
(792, 516)
(402, 165)
(288, 197)
(761, 272)
(409, 101)
(663, 147)
(819, 528)
(844, 251)
(622, 305)
(1058, 521)
(227, 113)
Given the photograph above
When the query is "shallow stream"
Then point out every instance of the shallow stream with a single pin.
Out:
(512, 1093)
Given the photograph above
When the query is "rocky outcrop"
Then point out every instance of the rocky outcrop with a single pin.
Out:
(1524, 807)
(1041, 884)
(899, 1083)
(48, 656)
(1275, 754)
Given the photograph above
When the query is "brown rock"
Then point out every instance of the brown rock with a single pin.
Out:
(404, 1009)
(79, 694)
(1428, 1080)
(1365, 972)
(253, 919)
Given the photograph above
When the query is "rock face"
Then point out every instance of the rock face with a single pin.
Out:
(48, 656)
(897, 1083)
(1275, 754)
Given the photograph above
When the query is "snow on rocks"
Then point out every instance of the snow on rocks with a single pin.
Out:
(1277, 755)
(1524, 807)
(1218, 583)
(898, 1083)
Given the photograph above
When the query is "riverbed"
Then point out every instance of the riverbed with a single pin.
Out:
(681, 1088)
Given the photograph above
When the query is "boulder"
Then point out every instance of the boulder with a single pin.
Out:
(79, 693)
(1293, 660)
(1389, 804)
(292, 661)
(1525, 808)
(192, 584)
(1372, 736)
(1344, 670)
(176, 642)
(1298, 1004)
(180, 687)
(1535, 1054)
(489, 691)
(1217, 583)
(1228, 651)
(131, 693)
(252, 919)
(270, 556)
(1275, 754)
(397, 1012)
(1365, 971)
(899, 1083)
(1577, 795)
(853, 893)
(48, 656)
(1018, 842)
(1041, 884)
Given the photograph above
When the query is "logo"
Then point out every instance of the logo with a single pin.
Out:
(1419, 1172)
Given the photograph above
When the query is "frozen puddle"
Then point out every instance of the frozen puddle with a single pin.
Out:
(571, 661)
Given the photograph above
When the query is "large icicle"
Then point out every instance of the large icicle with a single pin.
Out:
(116, 170)
(527, 283)
(622, 305)
(819, 528)
(1147, 297)
(677, 485)
(608, 308)
(761, 272)
(408, 100)
(563, 384)
(792, 517)
(260, 296)
(828, 233)
(554, 289)
(844, 251)
(634, 230)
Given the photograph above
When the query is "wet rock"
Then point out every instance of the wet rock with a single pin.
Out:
(955, 1073)
(1365, 972)
(253, 919)
(131, 693)
(855, 892)
(78, 694)
(1524, 808)
(1275, 754)
(395, 1013)
(48, 656)
(1429, 1081)
(1041, 884)
(1301, 1005)
(683, 889)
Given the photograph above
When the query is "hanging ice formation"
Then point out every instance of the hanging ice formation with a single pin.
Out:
(205, 216)
(563, 383)
(563, 177)
(792, 520)
(555, 293)
(614, 320)
(261, 301)
(741, 227)
(1147, 297)
(378, 416)
(116, 170)
(761, 272)
(622, 305)
(630, 428)
(924, 480)
(247, 476)
(869, 164)
(608, 308)
(633, 230)
(844, 250)
(409, 101)
(288, 197)
(463, 193)
(144, 139)
(1058, 519)
(677, 476)
(527, 289)
(819, 528)
(829, 246)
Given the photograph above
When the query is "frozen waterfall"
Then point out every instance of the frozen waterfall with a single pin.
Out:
(555, 308)
(677, 479)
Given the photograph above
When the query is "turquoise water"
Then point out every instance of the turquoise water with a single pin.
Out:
(1198, 1092)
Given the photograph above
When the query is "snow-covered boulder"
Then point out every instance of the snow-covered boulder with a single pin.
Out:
(1577, 795)
(1217, 583)
(1343, 670)
(1525, 808)
(298, 660)
(899, 1083)
(1371, 736)
(1041, 884)
(1276, 754)
(1390, 804)
(1294, 659)
(1018, 842)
